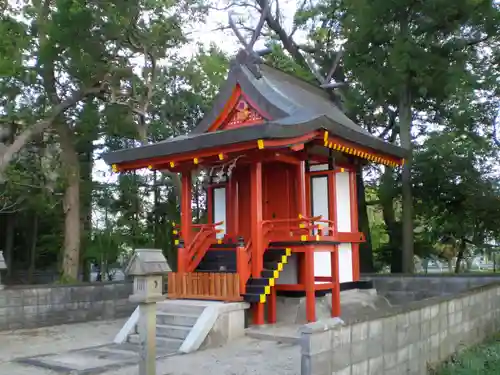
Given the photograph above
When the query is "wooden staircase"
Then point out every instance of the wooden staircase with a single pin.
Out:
(257, 289)
(216, 260)
(224, 261)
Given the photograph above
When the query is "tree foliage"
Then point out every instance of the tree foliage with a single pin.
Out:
(407, 67)
(78, 78)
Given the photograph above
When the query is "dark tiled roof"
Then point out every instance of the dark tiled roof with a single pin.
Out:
(296, 106)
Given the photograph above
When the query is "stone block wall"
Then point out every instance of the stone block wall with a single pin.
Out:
(401, 340)
(408, 288)
(45, 305)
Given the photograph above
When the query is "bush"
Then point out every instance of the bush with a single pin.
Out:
(483, 359)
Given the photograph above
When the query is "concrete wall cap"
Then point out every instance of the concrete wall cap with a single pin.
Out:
(407, 276)
(233, 306)
(417, 305)
(321, 326)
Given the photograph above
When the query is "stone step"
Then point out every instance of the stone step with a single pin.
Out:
(163, 343)
(175, 319)
(180, 308)
(172, 332)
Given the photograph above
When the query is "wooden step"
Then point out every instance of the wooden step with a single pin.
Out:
(224, 246)
(256, 289)
(216, 265)
(272, 254)
(252, 298)
(215, 271)
(272, 266)
(258, 281)
(268, 274)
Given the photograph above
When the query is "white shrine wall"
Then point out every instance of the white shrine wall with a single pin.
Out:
(343, 207)
(219, 209)
(343, 201)
(319, 206)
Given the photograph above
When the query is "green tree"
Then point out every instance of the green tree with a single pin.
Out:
(457, 192)
(399, 58)
(147, 203)
(83, 50)
(413, 56)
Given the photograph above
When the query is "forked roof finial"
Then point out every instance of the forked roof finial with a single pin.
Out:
(247, 55)
(251, 59)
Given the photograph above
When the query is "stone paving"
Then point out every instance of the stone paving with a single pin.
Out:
(89, 361)
(85, 349)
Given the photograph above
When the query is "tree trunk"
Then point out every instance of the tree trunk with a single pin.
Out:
(386, 197)
(10, 232)
(156, 217)
(72, 226)
(136, 210)
(405, 120)
(460, 255)
(365, 249)
(34, 238)
(85, 149)
(450, 265)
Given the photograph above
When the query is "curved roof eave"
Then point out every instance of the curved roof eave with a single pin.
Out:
(279, 129)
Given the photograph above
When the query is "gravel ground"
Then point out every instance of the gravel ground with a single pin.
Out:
(243, 357)
(56, 339)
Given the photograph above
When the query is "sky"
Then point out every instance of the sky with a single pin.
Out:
(207, 33)
(226, 40)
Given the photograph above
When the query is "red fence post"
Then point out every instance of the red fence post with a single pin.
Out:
(181, 257)
(241, 265)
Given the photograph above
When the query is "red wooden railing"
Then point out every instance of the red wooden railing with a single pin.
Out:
(244, 263)
(291, 227)
(328, 229)
(277, 229)
(272, 230)
(190, 256)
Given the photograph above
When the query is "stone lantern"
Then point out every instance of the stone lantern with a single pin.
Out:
(147, 266)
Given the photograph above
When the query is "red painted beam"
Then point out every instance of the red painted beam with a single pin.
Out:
(172, 162)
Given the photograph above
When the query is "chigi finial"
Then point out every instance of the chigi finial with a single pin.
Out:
(250, 58)
(247, 55)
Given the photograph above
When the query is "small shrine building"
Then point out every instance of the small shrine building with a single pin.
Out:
(282, 201)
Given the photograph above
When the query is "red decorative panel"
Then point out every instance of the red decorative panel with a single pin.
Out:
(242, 115)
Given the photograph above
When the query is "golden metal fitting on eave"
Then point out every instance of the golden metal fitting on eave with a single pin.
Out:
(359, 153)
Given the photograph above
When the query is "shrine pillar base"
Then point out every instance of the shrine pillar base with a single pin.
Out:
(355, 302)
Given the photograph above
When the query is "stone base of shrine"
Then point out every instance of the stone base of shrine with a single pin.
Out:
(354, 303)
